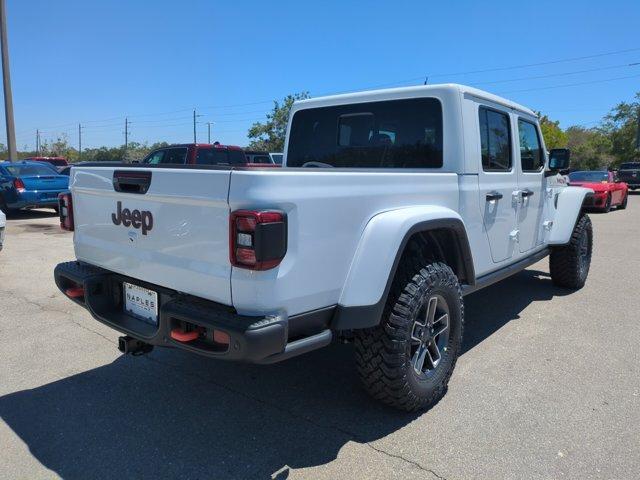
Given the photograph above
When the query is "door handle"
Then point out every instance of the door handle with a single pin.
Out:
(493, 196)
(527, 193)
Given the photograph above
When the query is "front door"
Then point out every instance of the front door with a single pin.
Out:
(498, 181)
(531, 183)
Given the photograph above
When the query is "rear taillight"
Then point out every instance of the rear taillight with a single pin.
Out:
(65, 209)
(257, 239)
(19, 185)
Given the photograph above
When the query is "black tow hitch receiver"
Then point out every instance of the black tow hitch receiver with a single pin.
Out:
(133, 346)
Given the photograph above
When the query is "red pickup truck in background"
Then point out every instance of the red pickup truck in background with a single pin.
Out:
(201, 154)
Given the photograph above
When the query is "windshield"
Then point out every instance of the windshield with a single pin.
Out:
(630, 166)
(30, 170)
(589, 176)
(277, 158)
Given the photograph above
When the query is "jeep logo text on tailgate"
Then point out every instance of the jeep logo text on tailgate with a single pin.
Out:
(136, 218)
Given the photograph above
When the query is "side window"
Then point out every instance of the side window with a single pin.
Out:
(175, 156)
(212, 156)
(155, 158)
(495, 140)
(531, 157)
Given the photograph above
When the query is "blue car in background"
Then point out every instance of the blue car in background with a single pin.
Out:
(30, 185)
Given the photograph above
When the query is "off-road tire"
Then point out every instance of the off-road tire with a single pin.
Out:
(383, 353)
(623, 205)
(568, 265)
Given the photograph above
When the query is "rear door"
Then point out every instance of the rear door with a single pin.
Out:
(165, 226)
(530, 163)
(498, 180)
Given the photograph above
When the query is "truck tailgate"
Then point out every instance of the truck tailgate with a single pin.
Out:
(174, 232)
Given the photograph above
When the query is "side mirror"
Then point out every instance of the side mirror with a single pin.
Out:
(558, 160)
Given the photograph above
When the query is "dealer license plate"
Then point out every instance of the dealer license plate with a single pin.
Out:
(141, 302)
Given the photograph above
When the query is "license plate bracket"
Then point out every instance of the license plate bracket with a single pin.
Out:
(140, 302)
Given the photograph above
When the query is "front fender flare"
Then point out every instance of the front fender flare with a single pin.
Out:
(377, 257)
(568, 206)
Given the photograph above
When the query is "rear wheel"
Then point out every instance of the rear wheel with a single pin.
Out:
(569, 264)
(407, 360)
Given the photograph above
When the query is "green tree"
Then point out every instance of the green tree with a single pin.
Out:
(590, 148)
(553, 135)
(269, 136)
(621, 127)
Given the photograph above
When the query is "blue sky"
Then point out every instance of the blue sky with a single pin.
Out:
(96, 61)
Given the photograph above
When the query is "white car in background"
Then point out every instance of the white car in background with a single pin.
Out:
(3, 223)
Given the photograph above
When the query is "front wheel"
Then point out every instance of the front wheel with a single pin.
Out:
(407, 360)
(623, 205)
(569, 264)
(607, 204)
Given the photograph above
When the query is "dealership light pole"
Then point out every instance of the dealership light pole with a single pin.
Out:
(6, 82)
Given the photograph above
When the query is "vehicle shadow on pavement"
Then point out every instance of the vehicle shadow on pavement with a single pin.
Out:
(32, 214)
(486, 311)
(171, 414)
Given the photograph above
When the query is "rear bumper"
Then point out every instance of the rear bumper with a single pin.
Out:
(251, 339)
(30, 199)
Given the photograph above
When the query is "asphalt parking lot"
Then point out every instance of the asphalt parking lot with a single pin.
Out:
(548, 387)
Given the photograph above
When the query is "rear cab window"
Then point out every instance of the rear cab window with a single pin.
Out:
(220, 156)
(386, 134)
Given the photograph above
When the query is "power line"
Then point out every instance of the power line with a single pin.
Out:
(538, 64)
(570, 84)
(577, 72)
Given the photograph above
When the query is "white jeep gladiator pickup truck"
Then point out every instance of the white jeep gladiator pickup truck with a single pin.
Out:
(390, 207)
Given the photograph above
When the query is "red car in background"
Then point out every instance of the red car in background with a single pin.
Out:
(202, 154)
(58, 162)
(607, 191)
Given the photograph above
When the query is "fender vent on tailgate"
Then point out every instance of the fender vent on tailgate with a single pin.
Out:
(131, 181)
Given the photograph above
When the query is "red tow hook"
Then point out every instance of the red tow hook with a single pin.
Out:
(74, 292)
(182, 336)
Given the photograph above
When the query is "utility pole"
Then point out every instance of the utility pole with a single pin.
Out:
(638, 132)
(79, 141)
(126, 133)
(208, 132)
(38, 142)
(6, 82)
(194, 125)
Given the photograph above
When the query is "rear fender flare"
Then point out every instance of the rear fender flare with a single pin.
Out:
(377, 257)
